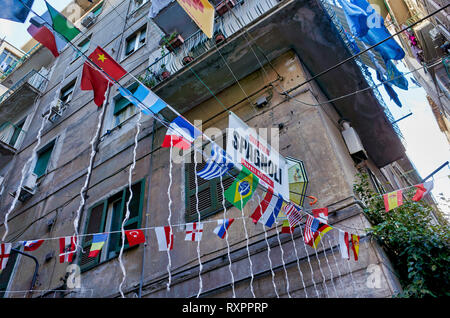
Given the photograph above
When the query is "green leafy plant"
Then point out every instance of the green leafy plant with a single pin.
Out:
(416, 239)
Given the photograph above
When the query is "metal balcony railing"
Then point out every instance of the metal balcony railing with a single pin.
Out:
(33, 78)
(19, 62)
(11, 134)
(364, 69)
(198, 44)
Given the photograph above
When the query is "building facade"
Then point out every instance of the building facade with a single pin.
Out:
(72, 167)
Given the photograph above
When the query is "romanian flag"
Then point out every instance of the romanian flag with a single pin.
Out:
(393, 200)
(242, 189)
(97, 243)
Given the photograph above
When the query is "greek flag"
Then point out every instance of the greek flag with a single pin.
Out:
(217, 165)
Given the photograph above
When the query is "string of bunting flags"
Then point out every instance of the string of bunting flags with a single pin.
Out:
(101, 71)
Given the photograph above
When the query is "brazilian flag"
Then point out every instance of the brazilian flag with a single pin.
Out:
(242, 188)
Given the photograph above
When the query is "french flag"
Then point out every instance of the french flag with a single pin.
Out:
(222, 228)
(181, 134)
(30, 246)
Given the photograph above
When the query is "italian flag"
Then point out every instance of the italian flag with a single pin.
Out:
(52, 30)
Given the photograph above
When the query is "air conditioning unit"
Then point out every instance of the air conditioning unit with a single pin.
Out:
(354, 144)
(56, 109)
(28, 188)
(89, 20)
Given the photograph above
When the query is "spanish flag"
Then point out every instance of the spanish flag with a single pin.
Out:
(355, 246)
(242, 189)
(393, 200)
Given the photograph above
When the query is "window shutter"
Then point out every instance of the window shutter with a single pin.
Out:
(42, 161)
(95, 224)
(6, 273)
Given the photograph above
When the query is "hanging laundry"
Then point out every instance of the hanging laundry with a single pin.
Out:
(394, 76)
(366, 24)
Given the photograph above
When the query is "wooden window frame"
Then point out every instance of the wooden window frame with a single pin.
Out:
(216, 206)
(105, 202)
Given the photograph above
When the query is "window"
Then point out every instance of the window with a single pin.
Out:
(83, 47)
(5, 275)
(98, 10)
(43, 157)
(123, 108)
(16, 134)
(210, 195)
(7, 60)
(138, 3)
(107, 216)
(67, 93)
(135, 41)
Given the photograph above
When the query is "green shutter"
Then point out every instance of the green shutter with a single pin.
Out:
(95, 223)
(42, 161)
(121, 102)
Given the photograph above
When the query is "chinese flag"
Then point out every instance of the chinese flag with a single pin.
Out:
(135, 237)
(93, 79)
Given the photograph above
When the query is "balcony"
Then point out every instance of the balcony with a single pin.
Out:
(11, 137)
(31, 84)
(196, 43)
(257, 32)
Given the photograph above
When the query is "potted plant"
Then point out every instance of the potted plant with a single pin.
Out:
(164, 72)
(224, 6)
(172, 41)
(187, 59)
(219, 37)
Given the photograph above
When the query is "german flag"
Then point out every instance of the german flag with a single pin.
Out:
(318, 234)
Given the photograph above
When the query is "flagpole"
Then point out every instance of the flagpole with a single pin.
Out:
(435, 171)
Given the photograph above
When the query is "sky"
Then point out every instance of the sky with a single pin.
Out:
(16, 33)
(425, 144)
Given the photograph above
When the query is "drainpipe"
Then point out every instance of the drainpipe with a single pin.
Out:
(148, 205)
(36, 268)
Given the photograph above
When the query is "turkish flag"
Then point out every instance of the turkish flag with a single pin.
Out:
(135, 237)
(93, 79)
